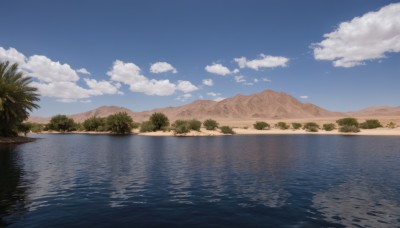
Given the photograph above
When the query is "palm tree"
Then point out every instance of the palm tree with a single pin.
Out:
(17, 98)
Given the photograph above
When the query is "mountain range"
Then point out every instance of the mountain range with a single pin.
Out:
(264, 105)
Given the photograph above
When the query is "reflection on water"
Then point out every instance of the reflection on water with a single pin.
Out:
(299, 181)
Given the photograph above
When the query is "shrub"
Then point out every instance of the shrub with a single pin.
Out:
(94, 124)
(296, 126)
(36, 127)
(60, 123)
(194, 124)
(345, 129)
(328, 127)
(160, 121)
(347, 122)
(311, 127)
(282, 126)
(391, 125)
(370, 124)
(181, 127)
(24, 127)
(226, 130)
(120, 123)
(210, 124)
(147, 126)
(260, 125)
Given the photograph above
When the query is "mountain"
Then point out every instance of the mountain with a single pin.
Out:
(378, 111)
(265, 105)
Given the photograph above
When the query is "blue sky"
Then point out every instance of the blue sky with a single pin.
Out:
(242, 46)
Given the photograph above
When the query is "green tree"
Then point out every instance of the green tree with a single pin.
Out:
(282, 125)
(160, 121)
(181, 127)
(25, 127)
(17, 98)
(61, 123)
(347, 122)
(194, 124)
(147, 126)
(328, 127)
(296, 126)
(261, 125)
(119, 123)
(349, 129)
(94, 123)
(210, 124)
(370, 124)
(227, 130)
(311, 127)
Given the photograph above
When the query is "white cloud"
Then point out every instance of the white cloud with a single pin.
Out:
(46, 70)
(162, 67)
(184, 97)
(265, 61)
(208, 82)
(265, 80)
(363, 38)
(186, 86)
(12, 55)
(213, 94)
(304, 97)
(103, 87)
(217, 68)
(235, 71)
(63, 91)
(219, 99)
(256, 80)
(83, 71)
(239, 79)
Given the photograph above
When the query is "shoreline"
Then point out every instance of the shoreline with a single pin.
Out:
(242, 131)
(16, 140)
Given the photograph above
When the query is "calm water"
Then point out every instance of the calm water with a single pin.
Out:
(237, 181)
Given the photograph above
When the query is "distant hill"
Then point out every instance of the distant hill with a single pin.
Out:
(265, 105)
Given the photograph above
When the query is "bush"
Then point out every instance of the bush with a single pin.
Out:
(147, 126)
(160, 121)
(370, 124)
(194, 124)
(210, 124)
(60, 123)
(391, 125)
(311, 127)
(261, 125)
(24, 127)
(282, 126)
(347, 129)
(226, 130)
(36, 127)
(347, 122)
(328, 127)
(94, 124)
(296, 126)
(181, 127)
(120, 123)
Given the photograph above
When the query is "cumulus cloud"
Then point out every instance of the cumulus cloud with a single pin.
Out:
(57, 80)
(363, 38)
(83, 71)
(265, 80)
(217, 68)
(12, 55)
(219, 99)
(235, 71)
(264, 61)
(239, 79)
(186, 86)
(208, 82)
(162, 67)
(184, 97)
(213, 94)
(304, 97)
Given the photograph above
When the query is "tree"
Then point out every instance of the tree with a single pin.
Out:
(282, 125)
(147, 126)
(61, 123)
(391, 125)
(296, 126)
(17, 98)
(348, 125)
(261, 125)
(328, 127)
(370, 124)
(119, 123)
(347, 129)
(194, 124)
(25, 128)
(227, 130)
(160, 121)
(181, 127)
(311, 127)
(94, 123)
(210, 124)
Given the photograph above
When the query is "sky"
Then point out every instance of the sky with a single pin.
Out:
(340, 55)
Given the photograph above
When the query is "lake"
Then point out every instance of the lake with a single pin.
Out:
(71, 180)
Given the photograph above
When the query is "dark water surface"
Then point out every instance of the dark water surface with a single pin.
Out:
(236, 181)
